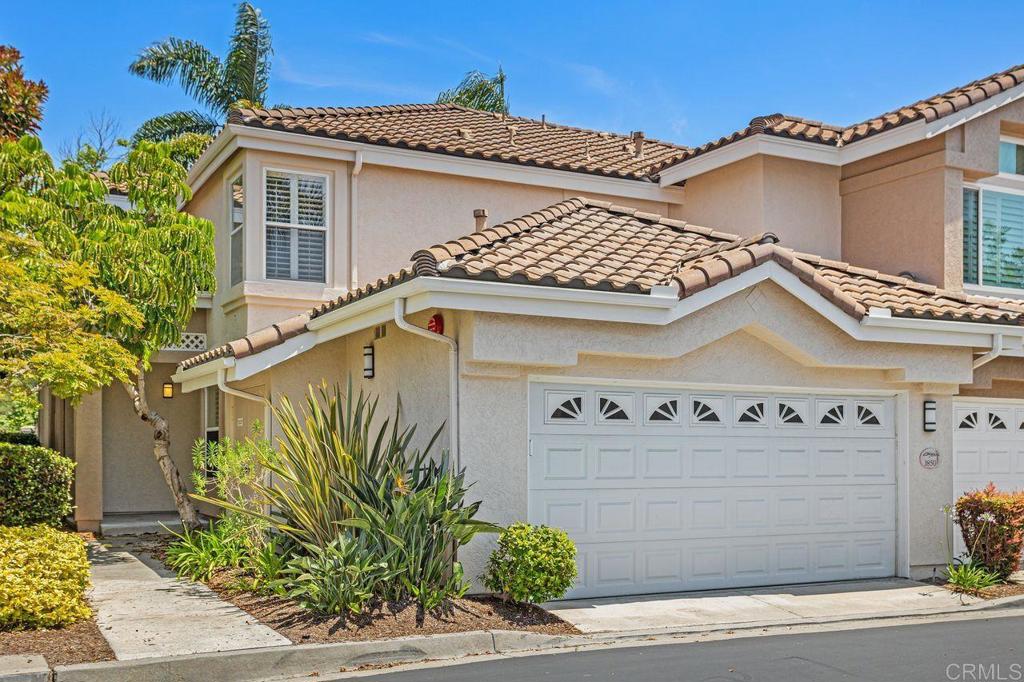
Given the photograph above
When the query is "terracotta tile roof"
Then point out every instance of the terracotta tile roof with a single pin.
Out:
(112, 187)
(928, 109)
(584, 244)
(455, 130)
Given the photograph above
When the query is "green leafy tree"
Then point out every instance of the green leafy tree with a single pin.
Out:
(240, 79)
(88, 290)
(479, 91)
(21, 100)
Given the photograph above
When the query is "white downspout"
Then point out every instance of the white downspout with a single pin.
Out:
(997, 350)
(453, 374)
(353, 220)
(222, 385)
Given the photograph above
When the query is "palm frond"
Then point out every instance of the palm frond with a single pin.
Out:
(248, 63)
(199, 72)
(478, 91)
(169, 126)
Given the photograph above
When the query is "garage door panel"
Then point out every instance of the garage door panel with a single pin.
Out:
(566, 462)
(702, 564)
(735, 512)
(683, 490)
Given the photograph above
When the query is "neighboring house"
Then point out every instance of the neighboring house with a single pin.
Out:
(698, 406)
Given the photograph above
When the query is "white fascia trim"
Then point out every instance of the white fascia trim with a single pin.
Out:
(801, 150)
(972, 112)
(425, 293)
(434, 162)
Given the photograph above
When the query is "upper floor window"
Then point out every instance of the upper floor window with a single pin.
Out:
(296, 226)
(236, 222)
(1011, 156)
(993, 238)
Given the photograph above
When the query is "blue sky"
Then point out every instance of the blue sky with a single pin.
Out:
(686, 72)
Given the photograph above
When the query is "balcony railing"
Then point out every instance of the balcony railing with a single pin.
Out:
(190, 342)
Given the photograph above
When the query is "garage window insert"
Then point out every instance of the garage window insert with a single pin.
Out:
(296, 226)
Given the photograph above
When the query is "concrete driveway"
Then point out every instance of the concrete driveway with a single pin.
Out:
(769, 605)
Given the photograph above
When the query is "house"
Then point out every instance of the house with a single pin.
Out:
(692, 359)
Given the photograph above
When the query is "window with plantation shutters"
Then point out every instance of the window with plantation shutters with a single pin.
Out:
(296, 226)
(236, 208)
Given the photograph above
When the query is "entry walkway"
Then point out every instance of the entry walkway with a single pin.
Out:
(769, 605)
(143, 610)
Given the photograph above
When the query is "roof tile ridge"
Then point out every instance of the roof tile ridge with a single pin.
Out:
(425, 261)
(807, 272)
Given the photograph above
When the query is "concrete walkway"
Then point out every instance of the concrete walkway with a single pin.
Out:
(794, 603)
(143, 610)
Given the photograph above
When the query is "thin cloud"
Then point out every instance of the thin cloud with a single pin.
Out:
(287, 73)
(388, 39)
(595, 78)
(466, 50)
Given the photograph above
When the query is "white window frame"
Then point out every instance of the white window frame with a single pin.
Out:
(207, 427)
(328, 240)
(237, 173)
(1019, 141)
(980, 187)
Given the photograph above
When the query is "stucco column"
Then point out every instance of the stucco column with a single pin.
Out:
(88, 450)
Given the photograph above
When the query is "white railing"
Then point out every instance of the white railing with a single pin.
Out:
(192, 342)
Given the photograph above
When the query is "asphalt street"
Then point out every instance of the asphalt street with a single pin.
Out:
(960, 651)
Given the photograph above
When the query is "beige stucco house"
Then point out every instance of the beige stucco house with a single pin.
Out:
(637, 345)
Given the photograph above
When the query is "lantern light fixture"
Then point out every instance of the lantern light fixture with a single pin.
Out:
(368, 361)
(168, 390)
(930, 411)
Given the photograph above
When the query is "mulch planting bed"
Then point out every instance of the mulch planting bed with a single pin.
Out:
(1010, 589)
(388, 620)
(78, 643)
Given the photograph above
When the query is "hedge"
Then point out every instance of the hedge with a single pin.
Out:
(35, 485)
(19, 438)
(992, 525)
(532, 564)
(44, 573)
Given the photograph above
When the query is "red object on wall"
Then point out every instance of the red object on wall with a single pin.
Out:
(436, 324)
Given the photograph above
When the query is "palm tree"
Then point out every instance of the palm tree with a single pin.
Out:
(239, 80)
(479, 91)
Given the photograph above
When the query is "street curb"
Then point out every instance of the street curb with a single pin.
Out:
(24, 668)
(302, 660)
(245, 665)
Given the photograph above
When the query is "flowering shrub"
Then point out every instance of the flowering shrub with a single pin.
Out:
(44, 573)
(532, 563)
(992, 524)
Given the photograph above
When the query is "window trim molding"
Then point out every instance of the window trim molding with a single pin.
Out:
(983, 186)
(328, 233)
(237, 172)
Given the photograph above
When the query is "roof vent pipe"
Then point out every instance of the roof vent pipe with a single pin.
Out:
(480, 218)
(638, 144)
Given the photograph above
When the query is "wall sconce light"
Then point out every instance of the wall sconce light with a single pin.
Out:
(929, 415)
(368, 362)
(168, 389)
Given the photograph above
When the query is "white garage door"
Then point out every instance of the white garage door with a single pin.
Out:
(988, 446)
(684, 490)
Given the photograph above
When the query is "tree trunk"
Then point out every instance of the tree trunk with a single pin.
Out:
(161, 449)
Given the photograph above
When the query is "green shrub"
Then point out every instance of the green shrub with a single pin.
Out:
(196, 554)
(18, 438)
(44, 573)
(334, 476)
(971, 577)
(340, 577)
(35, 485)
(992, 524)
(532, 563)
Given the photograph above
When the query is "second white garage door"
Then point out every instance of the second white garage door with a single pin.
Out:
(684, 490)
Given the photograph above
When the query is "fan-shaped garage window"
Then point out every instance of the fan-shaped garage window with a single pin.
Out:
(995, 422)
(833, 416)
(612, 409)
(569, 410)
(667, 411)
(789, 413)
(867, 416)
(752, 414)
(969, 422)
(703, 413)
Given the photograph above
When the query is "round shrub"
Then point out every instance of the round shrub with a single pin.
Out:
(44, 573)
(992, 524)
(532, 563)
(19, 438)
(35, 485)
